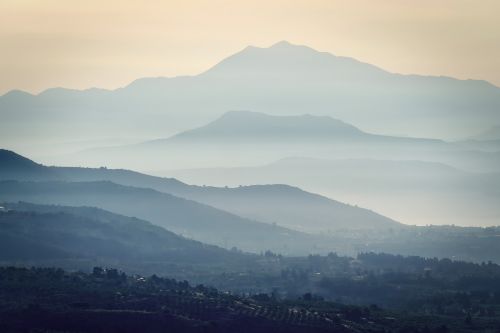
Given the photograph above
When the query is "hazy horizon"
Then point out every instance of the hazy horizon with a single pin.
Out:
(108, 45)
(223, 166)
(201, 71)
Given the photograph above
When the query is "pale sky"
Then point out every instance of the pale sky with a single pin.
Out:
(108, 44)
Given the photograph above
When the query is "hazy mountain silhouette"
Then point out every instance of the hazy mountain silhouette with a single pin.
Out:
(254, 126)
(289, 206)
(14, 166)
(185, 217)
(82, 236)
(281, 79)
(285, 205)
(413, 192)
(265, 138)
(271, 202)
(488, 141)
(492, 146)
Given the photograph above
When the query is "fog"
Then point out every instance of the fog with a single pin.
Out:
(284, 189)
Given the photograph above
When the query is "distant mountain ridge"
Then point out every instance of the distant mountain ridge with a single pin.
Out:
(281, 79)
(181, 216)
(242, 138)
(13, 165)
(215, 226)
(234, 126)
(291, 207)
(412, 191)
(256, 126)
(283, 55)
(281, 204)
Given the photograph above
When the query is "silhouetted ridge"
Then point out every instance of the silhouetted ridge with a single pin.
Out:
(289, 59)
(45, 232)
(281, 79)
(10, 160)
(182, 216)
(15, 166)
(264, 203)
(236, 125)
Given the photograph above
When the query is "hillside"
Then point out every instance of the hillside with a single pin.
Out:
(218, 227)
(390, 293)
(414, 192)
(289, 206)
(185, 217)
(79, 237)
(281, 204)
(14, 166)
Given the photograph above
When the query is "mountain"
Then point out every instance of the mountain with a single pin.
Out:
(17, 167)
(290, 207)
(281, 79)
(242, 138)
(275, 202)
(79, 237)
(14, 166)
(285, 205)
(488, 140)
(415, 192)
(254, 126)
(182, 216)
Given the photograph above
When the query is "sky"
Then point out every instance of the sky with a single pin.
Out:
(108, 44)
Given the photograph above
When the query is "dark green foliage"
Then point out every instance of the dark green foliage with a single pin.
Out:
(51, 300)
(278, 292)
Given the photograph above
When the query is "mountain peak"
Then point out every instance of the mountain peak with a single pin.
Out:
(241, 114)
(12, 163)
(15, 166)
(282, 43)
(9, 158)
(248, 125)
(16, 93)
(286, 61)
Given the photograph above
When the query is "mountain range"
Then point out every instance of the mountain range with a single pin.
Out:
(415, 192)
(332, 226)
(283, 79)
(244, 138)
(281, 204)
(414, 180)
(185, 217)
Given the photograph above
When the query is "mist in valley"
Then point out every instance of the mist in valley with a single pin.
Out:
(280, 189)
